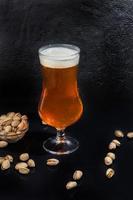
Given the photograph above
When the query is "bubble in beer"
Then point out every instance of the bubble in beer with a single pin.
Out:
(59, 57)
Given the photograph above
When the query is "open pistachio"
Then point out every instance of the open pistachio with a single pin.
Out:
(110, 173)
(5, 164)
(112, 146)
(116, 142)
(24, 157)
(108, 160)
(31, 163)
(111, 155)
(119, 133)
(21, 165)
(77, 175)
(52, 162)
(9, 157)
(3, 144)
(71, 184)
(130, 135)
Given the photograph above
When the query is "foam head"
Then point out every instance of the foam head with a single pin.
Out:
(63, 56)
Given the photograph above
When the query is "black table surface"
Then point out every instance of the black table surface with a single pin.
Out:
(94, 131)
(103, 30)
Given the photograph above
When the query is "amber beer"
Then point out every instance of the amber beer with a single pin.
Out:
(60, 104)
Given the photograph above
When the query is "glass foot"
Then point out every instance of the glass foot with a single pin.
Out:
(61, 146)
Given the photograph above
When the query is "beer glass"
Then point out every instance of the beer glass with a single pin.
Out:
(60, 105)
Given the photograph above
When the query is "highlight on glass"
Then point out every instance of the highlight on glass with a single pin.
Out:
(60, 104)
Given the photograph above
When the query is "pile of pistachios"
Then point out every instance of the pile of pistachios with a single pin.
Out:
(13, 126)
(22, 167)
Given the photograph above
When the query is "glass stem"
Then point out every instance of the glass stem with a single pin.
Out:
(60, 135)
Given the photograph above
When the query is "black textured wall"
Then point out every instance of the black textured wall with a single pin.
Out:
(102, 29)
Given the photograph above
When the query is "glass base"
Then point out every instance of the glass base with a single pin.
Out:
(61, 147)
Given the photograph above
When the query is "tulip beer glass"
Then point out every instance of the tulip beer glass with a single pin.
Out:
(60, 104)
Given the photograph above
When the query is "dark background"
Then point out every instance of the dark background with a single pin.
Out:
(104, 32)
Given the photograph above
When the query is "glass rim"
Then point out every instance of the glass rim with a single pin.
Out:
(69, 46)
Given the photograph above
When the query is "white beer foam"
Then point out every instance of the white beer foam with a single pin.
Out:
(58, 57)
